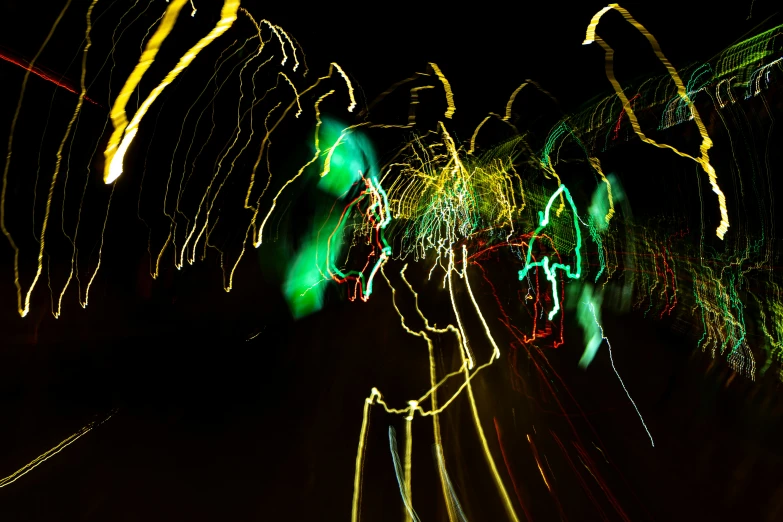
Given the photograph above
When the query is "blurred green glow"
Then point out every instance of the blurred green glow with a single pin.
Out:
(589, 317)
(346, 155)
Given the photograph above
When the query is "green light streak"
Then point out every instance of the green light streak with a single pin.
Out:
(550, 271)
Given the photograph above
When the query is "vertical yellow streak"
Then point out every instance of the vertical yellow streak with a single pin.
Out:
(488, 455)
(82, 94)
(433, 382)
(596, 164)
(299, 173)
(447, 87)
(58, 164)
(436, 430)
(22, 310)
(466, 354)
(357, 479)
(474, 409)
(475, 304)
(100, 251)
(706, 141)
(409, 457)
(115, 153)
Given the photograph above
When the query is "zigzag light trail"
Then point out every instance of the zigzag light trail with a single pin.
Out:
(489, 246)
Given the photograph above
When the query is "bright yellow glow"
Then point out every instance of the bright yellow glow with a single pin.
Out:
(115, 150)
(447, 87)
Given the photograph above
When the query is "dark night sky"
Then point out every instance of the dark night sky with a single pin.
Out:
(213, 427)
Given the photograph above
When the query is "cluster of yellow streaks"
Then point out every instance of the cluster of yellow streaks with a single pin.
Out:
(115, 150)
(24, 309)
(279, 33)
(706, 142)
(445, 193)
(465, 369)
(204, 229)
(447, 87)
(254, 232)
(258, 233)
(40, 459)
(477, 421)
(201, 225)
(206, 194)
(316, 155)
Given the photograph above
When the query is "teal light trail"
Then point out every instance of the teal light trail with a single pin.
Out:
(550, 270)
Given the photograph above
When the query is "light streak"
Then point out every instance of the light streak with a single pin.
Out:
(538, 463)
(445, 196)
(550, 271)
(611, 359)
(124, 132)
(408, 466)
(455, 508)
(357, 480)
(706, 142)
(348, 84)
(446, 87)
(23, 310)
(475, 304)
(40, 459)
(398, 471)
(59, 82)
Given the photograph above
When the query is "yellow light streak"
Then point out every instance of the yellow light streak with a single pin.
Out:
(447, 87)
(487, 454)
(40, 459)
(465, 370)
(408, 463)
(348, 83)
(475, 304)
(475, 133)
(357, 479)
(115, 150)
(23, 310)
(706, 142)
(464, 339)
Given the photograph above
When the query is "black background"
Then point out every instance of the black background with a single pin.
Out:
(213, 426)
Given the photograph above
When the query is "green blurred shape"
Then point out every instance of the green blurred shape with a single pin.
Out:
(345, 156)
